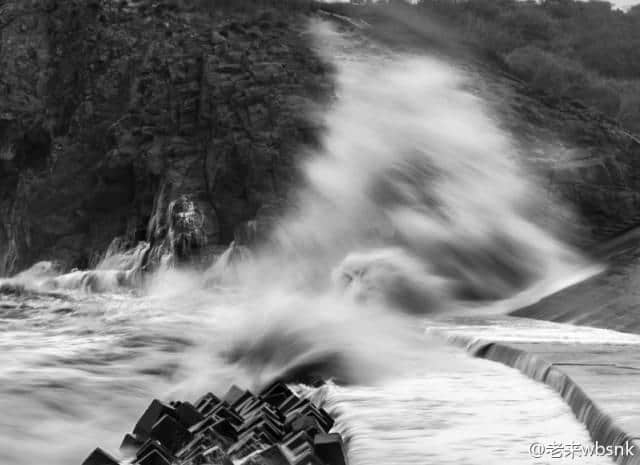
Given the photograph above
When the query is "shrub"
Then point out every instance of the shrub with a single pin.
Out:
(531, 23)
(583, 50)
(562, 77)
(547, 71)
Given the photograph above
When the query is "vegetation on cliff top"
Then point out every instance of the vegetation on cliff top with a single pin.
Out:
(587, 51)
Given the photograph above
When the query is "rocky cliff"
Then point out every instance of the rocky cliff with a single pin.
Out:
(125, 121)
(118, 118)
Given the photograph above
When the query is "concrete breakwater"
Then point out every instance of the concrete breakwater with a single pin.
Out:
(587, 376)
(275, 427)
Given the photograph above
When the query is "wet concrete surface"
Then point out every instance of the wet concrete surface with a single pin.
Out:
(596, 371)
(610, 299)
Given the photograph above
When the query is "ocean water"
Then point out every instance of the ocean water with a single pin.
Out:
(415, 208)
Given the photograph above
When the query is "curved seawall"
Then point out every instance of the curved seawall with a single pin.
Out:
(600, 421)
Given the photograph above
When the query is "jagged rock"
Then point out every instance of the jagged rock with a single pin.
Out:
(276, 394)
(152, 414)
(216, 455)
(187, 414)
(244, 426)
(271, 456)
(170, 433)
(130, 443)
(100, 457)
(205, 400)
(329, 448)
(299, 444)
(152, 449)
(153, 458)
(109, 112)
(236, 395)
(306, 423)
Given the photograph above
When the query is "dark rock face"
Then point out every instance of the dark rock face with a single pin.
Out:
(180, 232)
(109, 112)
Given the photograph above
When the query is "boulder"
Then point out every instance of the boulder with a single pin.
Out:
(130, 443)
(187, 414)
(276, 394)
(100, 457)
(153, 458)
(151, 415)
(271, 456)
(329, 448)
(170, 433)
(242, 428)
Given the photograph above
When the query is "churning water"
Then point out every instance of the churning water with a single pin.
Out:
(415, 206)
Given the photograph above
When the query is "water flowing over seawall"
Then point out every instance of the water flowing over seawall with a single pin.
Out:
(415, 204)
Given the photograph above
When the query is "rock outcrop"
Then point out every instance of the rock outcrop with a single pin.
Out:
(111, 111)
(274, 428)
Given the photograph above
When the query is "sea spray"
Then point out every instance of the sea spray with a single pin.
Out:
(415, 203)
(118, 271)
(414, 177)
